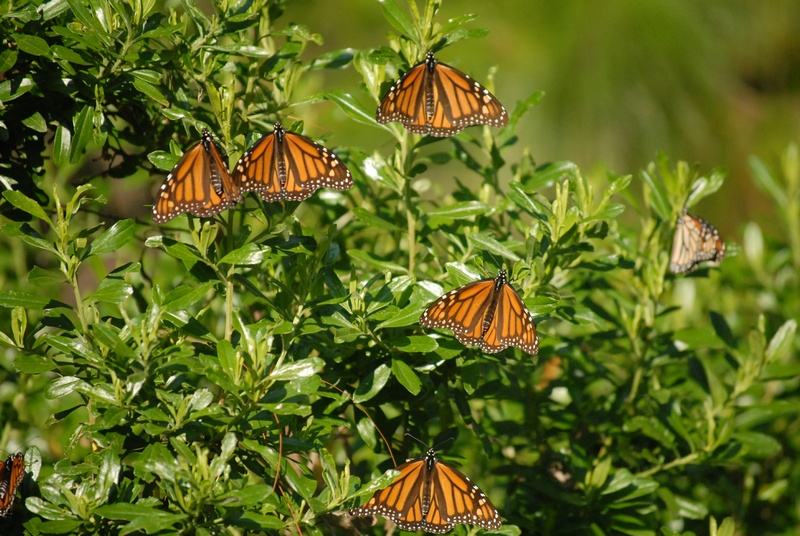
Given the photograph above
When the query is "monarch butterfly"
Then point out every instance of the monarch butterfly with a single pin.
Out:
(199, 183)
(434, 98)
(695, 241)
(433, 496)
(11, 473)
(285, 165)
(487, 313)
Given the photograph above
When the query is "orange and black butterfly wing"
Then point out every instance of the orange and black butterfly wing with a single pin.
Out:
(462, 310)
(456, 499)
(257, 169)
(406, 100)
(400, 501)
(695, 241)
(11, 473)
(310, 166)
(198, 184)
(512, 325)
(460, 102)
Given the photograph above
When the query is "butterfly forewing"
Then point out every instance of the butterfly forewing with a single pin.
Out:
(437, 99)
(198, 184)
(11, 473)
(695, 241)
(283, 165)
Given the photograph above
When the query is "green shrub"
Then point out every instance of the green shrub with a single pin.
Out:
(251, 373)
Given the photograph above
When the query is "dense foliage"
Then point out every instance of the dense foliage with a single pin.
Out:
(259, 371)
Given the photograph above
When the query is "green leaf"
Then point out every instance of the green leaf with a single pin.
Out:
(372, 384)
(728, 526)
(182, 298)
(83, 126)
(26, 204)
(33, 364)
(8, 58)
(406, 376)
(456, 211)
(12, 89)
(372, 220)
(64, 386)
(658, 194)
(406, 317)
(248, 254)
(781, 341)
(299, 369)
(416, 344)
(151, 91)
(352, 108)
(368, 259)
(108, 335)
(228, 359)
(766, 181)
(483, 241)
(81, 12)
(32, 44)
(26, 300)
(397, 18)
(757, 445)
(112, 238)
(61, 146)
(249, 495)
(111, 290)
(142, 518)
(691, 509)
(35, 122)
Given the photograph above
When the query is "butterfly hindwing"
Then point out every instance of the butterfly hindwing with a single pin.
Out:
(198, 184)
(283, 165)
(437, 99)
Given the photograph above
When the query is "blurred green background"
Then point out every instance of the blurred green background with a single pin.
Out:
(709, 82)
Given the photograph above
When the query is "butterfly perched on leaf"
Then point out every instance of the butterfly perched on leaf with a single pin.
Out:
(433, 496)
(11, 473)
(695, 241)
(437, 99)
(283, 165)
(198, 184)
(487, 313)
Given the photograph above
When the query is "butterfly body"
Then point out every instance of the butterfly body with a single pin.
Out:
(487, 313)
(433, 496)
(437, 99)
(198, 184)
(695, 241)
(283, 165)
(11, 473)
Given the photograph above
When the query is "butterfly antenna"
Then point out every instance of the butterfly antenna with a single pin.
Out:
(418, 440)
(443, 442)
